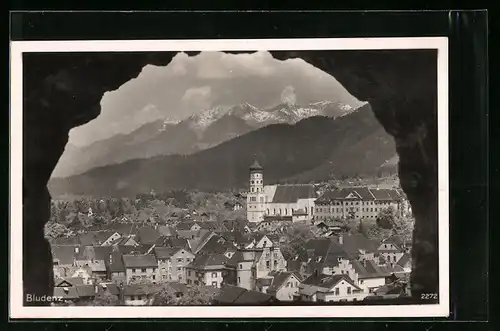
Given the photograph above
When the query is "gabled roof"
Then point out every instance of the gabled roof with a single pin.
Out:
(69, 293)
(403, 260)
(328, 281)
(368, 269)
(147, 235)
(172, 242)
(140, 261)
(279, 279)
(86, 291)
(74, 281)
(209, 261)
(102, 236)
(101, 252)
(292, 193)
(167, 231)
(87, 239)
(185, 225)
(385, 194)
(65, 254)
(239, 296)
(215, 245)
(353, 243)
(163, 253)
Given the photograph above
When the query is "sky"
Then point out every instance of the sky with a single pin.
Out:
(189, 85)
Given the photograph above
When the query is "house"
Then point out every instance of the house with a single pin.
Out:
(138, 295)
(277, 200)
(390, 251)
(261, 241)
(99, 270)
(284, 285)
(210, 270)
(140, 266)
(253, 264)
(233, 295)
(330, 288)
(172, 263)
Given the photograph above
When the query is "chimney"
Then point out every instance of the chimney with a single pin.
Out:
(341, 240)
(77, 249)
(96, 289)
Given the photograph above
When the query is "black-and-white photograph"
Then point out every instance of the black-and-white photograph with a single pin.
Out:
(232, 173)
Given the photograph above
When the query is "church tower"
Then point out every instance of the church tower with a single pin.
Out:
(256, 198)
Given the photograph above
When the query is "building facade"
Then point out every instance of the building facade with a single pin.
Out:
(359, 203)
(296, 201)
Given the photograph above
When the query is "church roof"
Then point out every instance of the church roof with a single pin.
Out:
(256, 166)
(292, 193)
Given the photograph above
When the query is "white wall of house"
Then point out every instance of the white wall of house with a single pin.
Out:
(370, 284)
(289, 288)
(178, 263)
(149, 273)
(213, 278)
(343, 291)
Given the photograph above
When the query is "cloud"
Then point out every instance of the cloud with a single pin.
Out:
(288, 95)
(198, 97)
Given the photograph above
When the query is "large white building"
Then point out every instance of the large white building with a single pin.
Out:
(360, 202)
(292, 202)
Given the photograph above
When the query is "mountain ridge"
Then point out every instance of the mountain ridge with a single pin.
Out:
(304, 151)
(166, 137)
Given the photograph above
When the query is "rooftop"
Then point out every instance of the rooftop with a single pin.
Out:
(139, 261)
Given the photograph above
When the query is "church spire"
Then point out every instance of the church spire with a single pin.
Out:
(256, 166)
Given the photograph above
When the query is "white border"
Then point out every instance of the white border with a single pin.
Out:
(17, 310)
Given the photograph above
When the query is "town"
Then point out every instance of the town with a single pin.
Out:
(266, 244)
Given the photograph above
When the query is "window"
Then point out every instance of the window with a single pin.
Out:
(133, 270)
(189, 281)
(288, 284)
(252, 197)
(143, 270)
(154, 277)
(267, 264)
(239, 280)
(214, 284)
(179, 268)
(214, 275)
(337, 291)
(132, 297)
(139, 297)
(241, 266)
(348, 290)
(275, 263)
(252, 182)
(180, 260)
(189, 272)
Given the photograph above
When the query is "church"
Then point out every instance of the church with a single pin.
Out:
(293, 202)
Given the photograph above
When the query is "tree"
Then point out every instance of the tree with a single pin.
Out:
(386, 218)
(194, 296)
(106, 299)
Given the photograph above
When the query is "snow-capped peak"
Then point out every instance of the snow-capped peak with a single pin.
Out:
(206, 117)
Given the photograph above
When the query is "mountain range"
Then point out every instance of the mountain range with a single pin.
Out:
(200, 131)
(297, 144)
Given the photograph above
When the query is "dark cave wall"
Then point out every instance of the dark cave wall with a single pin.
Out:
(64, 90)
